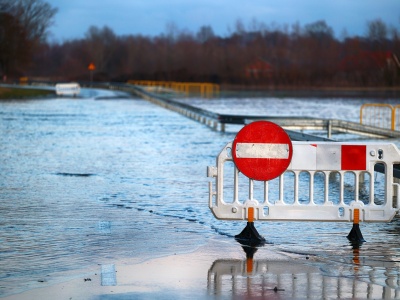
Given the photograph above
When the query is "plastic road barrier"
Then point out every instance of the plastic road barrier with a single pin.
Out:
(302, 181)
(328, 193)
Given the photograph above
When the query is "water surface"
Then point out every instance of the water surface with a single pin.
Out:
(87, 181)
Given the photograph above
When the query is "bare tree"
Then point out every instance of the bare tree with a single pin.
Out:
(205, 33)
(14, 46)
(303, 56)
(102, 43)
(35, 16)
(23, 27)
(377, 30)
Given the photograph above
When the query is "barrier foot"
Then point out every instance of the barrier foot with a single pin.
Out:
(355, 234)
(250, 236)
(250, 251)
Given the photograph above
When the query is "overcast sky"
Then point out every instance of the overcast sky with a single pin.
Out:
(150, 17)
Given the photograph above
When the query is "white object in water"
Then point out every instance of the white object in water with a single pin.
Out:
(70, 89)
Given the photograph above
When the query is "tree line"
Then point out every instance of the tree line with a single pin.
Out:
(259, 55)
(23, 30)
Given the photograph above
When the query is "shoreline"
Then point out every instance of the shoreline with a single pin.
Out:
(25, 92)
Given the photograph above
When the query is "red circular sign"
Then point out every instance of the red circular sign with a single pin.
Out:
(262, 150)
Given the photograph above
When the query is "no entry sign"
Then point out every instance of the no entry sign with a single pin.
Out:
(262, 150)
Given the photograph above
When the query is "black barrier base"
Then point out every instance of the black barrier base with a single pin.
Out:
(355, 234)
(250, 236)
(250, 251)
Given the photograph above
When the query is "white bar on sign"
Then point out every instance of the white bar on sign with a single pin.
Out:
(262, 150)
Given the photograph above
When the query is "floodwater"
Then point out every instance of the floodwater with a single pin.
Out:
(90, 180)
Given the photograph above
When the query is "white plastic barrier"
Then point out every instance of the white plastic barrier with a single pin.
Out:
(68, 89)
(325, 181)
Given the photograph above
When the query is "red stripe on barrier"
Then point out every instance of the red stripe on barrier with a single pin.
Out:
(354, 157)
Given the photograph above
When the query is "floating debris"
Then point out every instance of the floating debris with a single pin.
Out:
(75, 174)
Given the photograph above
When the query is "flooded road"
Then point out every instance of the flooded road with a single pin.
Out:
(87, 181)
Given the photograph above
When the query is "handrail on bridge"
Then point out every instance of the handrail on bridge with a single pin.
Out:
(292, 123)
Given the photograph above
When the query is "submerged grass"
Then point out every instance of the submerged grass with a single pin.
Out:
(22, 93)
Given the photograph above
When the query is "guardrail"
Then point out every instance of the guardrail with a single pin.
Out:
(219, 121)
(328, 125)
(204, 89)
(396, 117)
(380, 115)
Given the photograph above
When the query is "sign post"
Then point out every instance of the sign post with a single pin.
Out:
(91, 68)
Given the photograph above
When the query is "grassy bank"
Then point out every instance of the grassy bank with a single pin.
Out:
(22, 93)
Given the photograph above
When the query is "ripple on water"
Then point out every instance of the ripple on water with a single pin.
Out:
(87, 182)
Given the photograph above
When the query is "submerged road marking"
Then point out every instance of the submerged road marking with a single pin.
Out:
(108, 277)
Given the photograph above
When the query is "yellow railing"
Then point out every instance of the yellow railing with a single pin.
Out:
(380, 115)
(23, 80)
(396, 117)
(203, 89)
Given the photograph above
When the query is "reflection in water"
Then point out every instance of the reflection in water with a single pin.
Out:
(278, 279)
